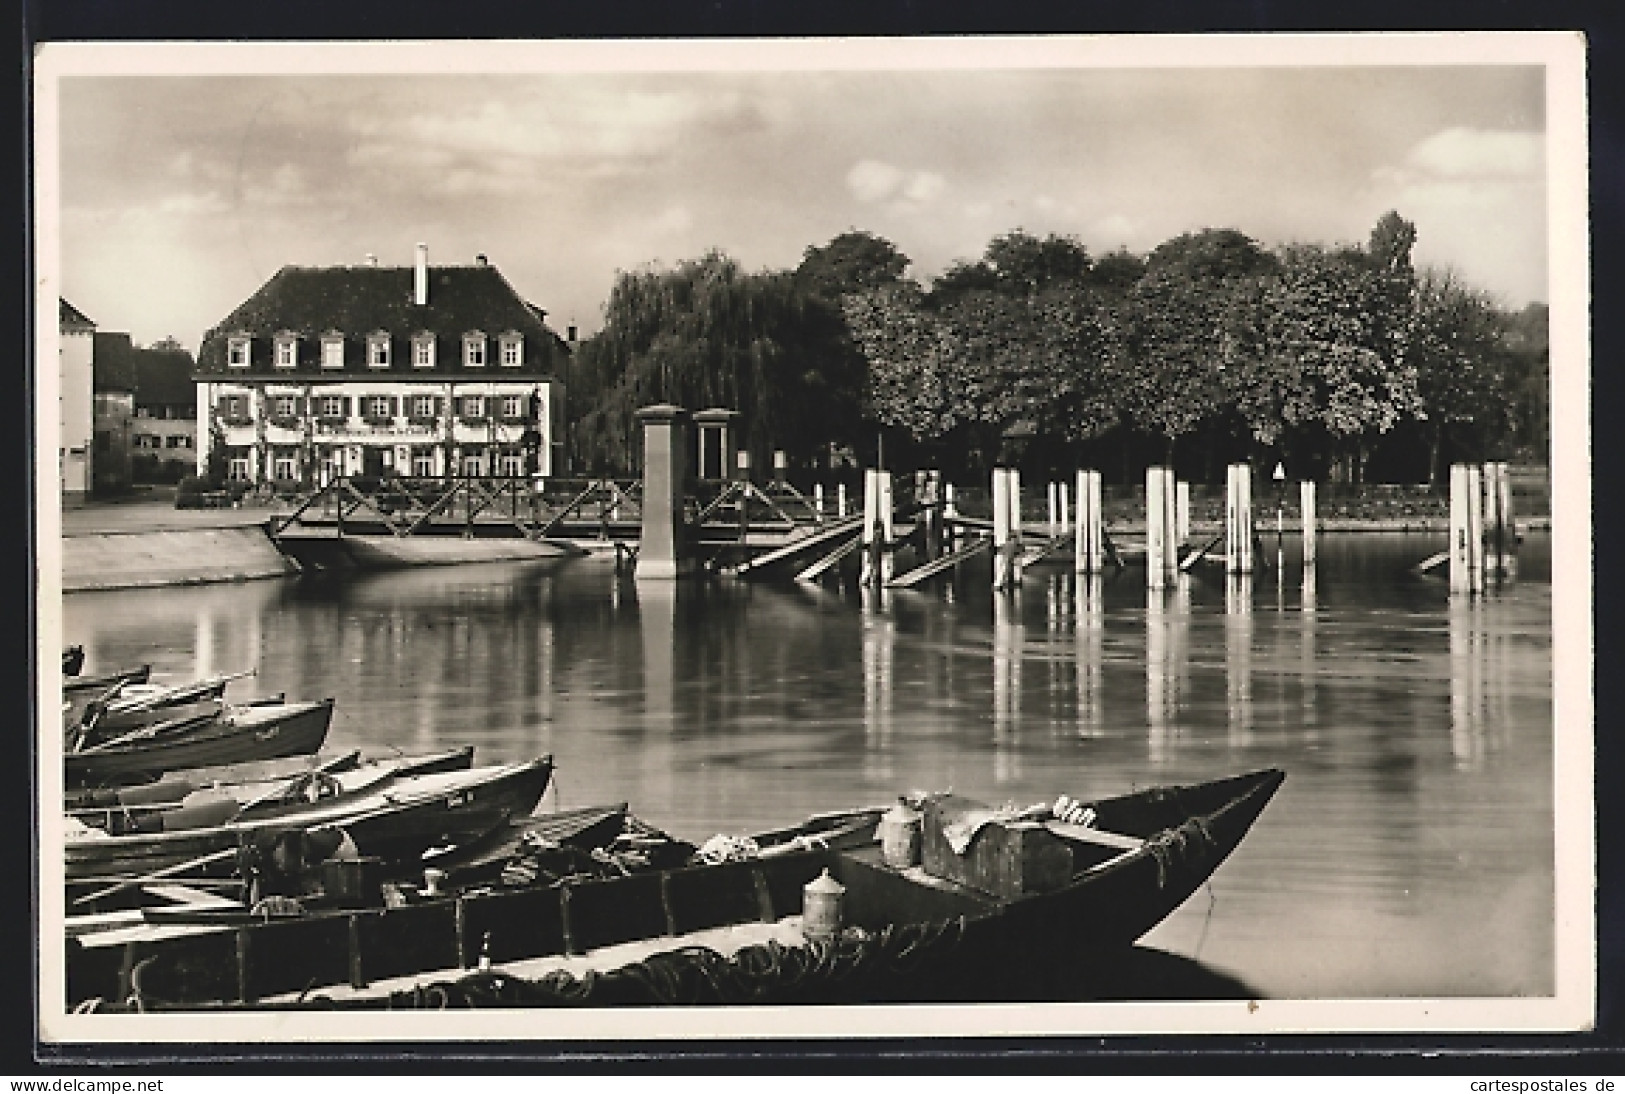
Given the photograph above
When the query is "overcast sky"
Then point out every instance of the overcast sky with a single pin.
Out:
(181, 195)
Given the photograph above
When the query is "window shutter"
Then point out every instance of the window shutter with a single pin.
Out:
(439, 407)
(223, 407)
(346, 405)
(394, 406)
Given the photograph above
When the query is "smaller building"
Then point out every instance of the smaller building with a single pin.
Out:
(114, 412)
(76, 356)
(163, 433)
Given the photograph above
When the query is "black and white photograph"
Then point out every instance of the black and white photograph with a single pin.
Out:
(965, 537)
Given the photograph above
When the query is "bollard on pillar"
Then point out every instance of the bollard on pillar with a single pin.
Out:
(1306, 508)
(661, 549)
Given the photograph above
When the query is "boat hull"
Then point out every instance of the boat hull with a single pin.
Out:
(652, 939)
(398, 822)
(364, 552)
(262, 733)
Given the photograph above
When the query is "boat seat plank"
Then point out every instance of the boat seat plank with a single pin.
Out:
(191, 897)
(1094, 836)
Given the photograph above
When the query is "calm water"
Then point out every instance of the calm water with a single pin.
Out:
(1409, 852)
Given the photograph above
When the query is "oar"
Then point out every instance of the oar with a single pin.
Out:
(158, 875)
(173, 696)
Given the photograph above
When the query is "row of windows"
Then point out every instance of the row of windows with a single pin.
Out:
(380, 406)
(152, 440)
(285, 354)
(473, 464)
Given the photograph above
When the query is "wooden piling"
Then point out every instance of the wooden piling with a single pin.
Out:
(1170, 527)
(1238, 519)
(869, 566)
(840, 499)
(1156, 528)
(1182, 512)
(886, 530)
(1014, 495)
(1052, 523)
(1001, 529)
(1066, 508)
(931, 513)
(1306, 507)
(1475, 527)
(818, 498)
(1509, 528)
(1089, 553)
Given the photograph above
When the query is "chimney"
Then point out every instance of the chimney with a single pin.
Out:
(372, 259)
(481, 260)
(420, 284)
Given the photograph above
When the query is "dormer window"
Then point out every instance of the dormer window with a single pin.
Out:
(513, 350)
(237, 351)
(287, 351)
(378, 349)
(474, 349)
(423, 351)
(332, 351)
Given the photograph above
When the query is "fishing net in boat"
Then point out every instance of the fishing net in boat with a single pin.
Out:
(856, 966)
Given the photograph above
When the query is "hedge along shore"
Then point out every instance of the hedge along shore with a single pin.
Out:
(171, 556)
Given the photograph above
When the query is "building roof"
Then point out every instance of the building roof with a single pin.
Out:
(69, 316)
(112, 362)
(358, 301)
(156, 377)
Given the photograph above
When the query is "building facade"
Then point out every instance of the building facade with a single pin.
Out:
(76, 354)
(163, 433)
(416, 371)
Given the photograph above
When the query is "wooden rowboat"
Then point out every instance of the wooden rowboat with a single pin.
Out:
(237, 734)
(396, 820)
(732, 933)
(90, 685)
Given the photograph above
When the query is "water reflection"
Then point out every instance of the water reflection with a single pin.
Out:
(1416, 731)
(1089, 631)
(1238, 657)
(1007, 664)
(879, 637)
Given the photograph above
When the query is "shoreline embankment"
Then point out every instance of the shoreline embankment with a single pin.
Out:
(170, 556)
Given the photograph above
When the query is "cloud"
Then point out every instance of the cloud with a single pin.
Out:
(1480, 153)
(876, 182)
(1115, 230)
(871, 181)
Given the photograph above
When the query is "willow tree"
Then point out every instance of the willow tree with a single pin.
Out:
(706, 333)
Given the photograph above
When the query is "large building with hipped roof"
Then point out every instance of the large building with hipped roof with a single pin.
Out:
(421, 371)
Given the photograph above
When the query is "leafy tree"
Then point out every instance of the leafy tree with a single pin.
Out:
(1176, 318)
(851, 262)
(1115, 274)
(1326, 355)
(708, 334)
(1461, 357)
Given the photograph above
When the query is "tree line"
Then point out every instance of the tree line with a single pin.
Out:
(1343, 361)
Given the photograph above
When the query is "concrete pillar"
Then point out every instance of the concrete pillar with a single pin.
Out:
(661, 547)
(1052, 523)
(1182, 512)
(1475, 526)
(876, 566)
(818, 498)
(1066, 507)
(840, 499)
